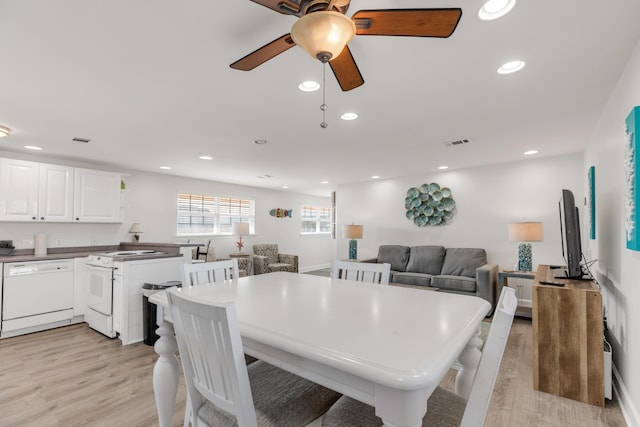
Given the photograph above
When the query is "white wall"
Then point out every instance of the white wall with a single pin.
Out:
(150, 199)
(618, 268)
(487, 199)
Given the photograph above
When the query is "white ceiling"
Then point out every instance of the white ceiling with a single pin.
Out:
(148, 81)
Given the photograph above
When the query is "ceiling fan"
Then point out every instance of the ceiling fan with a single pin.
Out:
(324, 30)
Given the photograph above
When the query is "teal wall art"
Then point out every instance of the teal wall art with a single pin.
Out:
(632, 181)
(429, 205)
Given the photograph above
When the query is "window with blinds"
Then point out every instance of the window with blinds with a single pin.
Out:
(200, 214)
(315, 220)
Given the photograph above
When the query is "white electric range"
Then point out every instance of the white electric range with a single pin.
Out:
(114, 289)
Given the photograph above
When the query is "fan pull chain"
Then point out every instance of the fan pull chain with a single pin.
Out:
(323, 107)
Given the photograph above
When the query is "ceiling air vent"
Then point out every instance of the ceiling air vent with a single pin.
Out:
(81, 140)
(457, 142)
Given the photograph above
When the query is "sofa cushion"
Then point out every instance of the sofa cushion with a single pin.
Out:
(396, 255)
(407, 278)
(426, 259)
(454, 283)
(463, 261)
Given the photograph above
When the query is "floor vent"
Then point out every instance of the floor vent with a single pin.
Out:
(81, 140)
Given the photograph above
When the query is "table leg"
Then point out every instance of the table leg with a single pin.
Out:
(165, 372)
(469, 358)
(400, 408)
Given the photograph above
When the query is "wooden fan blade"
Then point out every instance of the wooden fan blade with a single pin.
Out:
(283, 6)
(346, 71)
(263, 54)
(407, 22)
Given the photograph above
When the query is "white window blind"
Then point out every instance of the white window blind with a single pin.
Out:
(315, 220)
(202, 214)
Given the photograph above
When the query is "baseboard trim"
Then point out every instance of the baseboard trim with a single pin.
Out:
(629, 410)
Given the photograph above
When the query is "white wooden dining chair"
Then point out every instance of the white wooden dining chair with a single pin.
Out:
(222, 389)
(362, 271)
(445, 408)
(210, 272)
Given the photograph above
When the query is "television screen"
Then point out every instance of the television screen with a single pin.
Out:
(570, 233)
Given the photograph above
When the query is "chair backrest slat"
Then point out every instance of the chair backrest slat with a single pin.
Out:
(210, 272)
(492, 352)
(362, 271)
(212, 356)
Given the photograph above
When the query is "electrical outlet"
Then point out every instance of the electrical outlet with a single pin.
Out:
(94, 242)
(58, 242)
(27, 243)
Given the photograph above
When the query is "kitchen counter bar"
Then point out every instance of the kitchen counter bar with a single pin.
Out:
(170, 250)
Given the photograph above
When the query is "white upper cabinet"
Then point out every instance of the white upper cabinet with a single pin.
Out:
(18, 190)
(55, 193)
(31, 191)
(96, 196)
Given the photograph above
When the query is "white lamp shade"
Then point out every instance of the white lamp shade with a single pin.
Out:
(352, 231)
(525, 232)
(323, 32)
(240, 229)
(135, 228)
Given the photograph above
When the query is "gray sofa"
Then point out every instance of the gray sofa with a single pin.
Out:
(456, 270)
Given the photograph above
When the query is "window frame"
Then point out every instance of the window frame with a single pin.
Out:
(322, 215)
(222, 212)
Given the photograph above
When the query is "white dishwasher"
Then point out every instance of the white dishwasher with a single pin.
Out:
(36, 295)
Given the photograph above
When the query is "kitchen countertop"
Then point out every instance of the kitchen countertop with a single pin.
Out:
(169, 250)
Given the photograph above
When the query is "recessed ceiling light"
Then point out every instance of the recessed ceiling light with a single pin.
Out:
(511, 67)
(285, 186)
(309, 86)
(165, 167)
(206, 157)
(375, 177)
(4, 131)
(260, 141)
(349, 116)
(324, 182)
(494, 9)
(530, 152)
(32, 147)
(443, 167)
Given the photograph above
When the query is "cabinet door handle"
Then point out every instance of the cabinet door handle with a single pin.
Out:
(42, 218)
(34, 218)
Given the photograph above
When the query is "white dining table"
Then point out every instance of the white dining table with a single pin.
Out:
(386, 346)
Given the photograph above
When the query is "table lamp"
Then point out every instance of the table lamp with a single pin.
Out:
(136, 229)
(352, 232)
(525, 232)
(240, 229)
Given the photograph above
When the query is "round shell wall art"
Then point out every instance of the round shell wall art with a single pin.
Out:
(429, 205)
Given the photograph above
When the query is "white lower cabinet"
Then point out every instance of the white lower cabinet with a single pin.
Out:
(80, 278)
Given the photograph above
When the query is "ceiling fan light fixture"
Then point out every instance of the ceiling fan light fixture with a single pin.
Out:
(323, 34)
(4, 131)
(494, 9)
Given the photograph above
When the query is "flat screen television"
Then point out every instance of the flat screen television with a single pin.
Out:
(570, 232)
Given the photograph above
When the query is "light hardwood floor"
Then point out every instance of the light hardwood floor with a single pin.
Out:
(73, 376)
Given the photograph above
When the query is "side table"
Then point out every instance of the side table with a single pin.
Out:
(503, 277)
(242, 255)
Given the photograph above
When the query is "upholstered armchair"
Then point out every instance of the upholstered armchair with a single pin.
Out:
(266, 259)
(244, 264)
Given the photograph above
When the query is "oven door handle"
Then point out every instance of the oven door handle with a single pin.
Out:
(96, 268)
